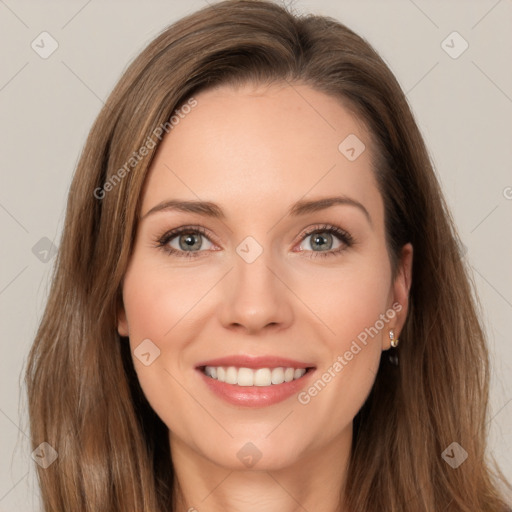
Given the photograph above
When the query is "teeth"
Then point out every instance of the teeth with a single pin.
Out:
(263, 377)
(211, 371)
(278, 376)
(250, 377)
(288, 374)
(245, 377)
(231, 375)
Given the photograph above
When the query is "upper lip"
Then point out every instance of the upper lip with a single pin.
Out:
(247, 361)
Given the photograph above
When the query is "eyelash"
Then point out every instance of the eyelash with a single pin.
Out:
(162, 241)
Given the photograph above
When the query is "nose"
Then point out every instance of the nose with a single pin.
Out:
(256, 296)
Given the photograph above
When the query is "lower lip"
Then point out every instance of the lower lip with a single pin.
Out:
(255, 396)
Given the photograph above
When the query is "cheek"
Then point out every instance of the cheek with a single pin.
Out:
(354, 304)
(154, 305)
(349, 300)
(156, 302)
(157, 299)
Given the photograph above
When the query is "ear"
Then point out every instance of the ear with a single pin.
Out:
(122, 322)
(400, 293)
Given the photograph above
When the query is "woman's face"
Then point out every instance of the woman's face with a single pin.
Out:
(274, 278)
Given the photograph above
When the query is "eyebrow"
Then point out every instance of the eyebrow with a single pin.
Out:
(301, 207)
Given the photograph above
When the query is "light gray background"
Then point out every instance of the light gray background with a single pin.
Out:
(463, 107)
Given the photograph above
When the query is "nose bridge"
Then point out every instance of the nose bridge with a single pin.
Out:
(255, 296)
(253, 279)
(252, 264)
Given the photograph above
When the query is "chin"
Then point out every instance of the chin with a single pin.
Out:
(255, 454)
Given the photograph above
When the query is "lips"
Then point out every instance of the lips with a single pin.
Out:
(253, 381)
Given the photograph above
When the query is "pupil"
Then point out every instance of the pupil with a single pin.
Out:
(189, 241)
(318, 240)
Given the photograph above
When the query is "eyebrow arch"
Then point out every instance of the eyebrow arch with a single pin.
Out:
(301, 207)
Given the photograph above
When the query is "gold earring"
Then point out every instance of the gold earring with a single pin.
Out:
(394, 341)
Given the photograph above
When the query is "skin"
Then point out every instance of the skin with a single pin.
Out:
(255, 151)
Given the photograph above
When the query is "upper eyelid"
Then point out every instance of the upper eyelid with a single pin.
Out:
(173, 233)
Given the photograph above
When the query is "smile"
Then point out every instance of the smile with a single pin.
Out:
(253, 377)
(255, 381)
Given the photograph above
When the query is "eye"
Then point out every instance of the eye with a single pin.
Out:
(186, 241)
(326, 240)
(189, 241)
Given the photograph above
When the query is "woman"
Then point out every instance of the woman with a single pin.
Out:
(197, 352)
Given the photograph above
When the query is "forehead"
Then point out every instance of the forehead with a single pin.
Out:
(252, 146)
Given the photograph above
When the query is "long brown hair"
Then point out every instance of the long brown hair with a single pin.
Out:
(83, 394)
